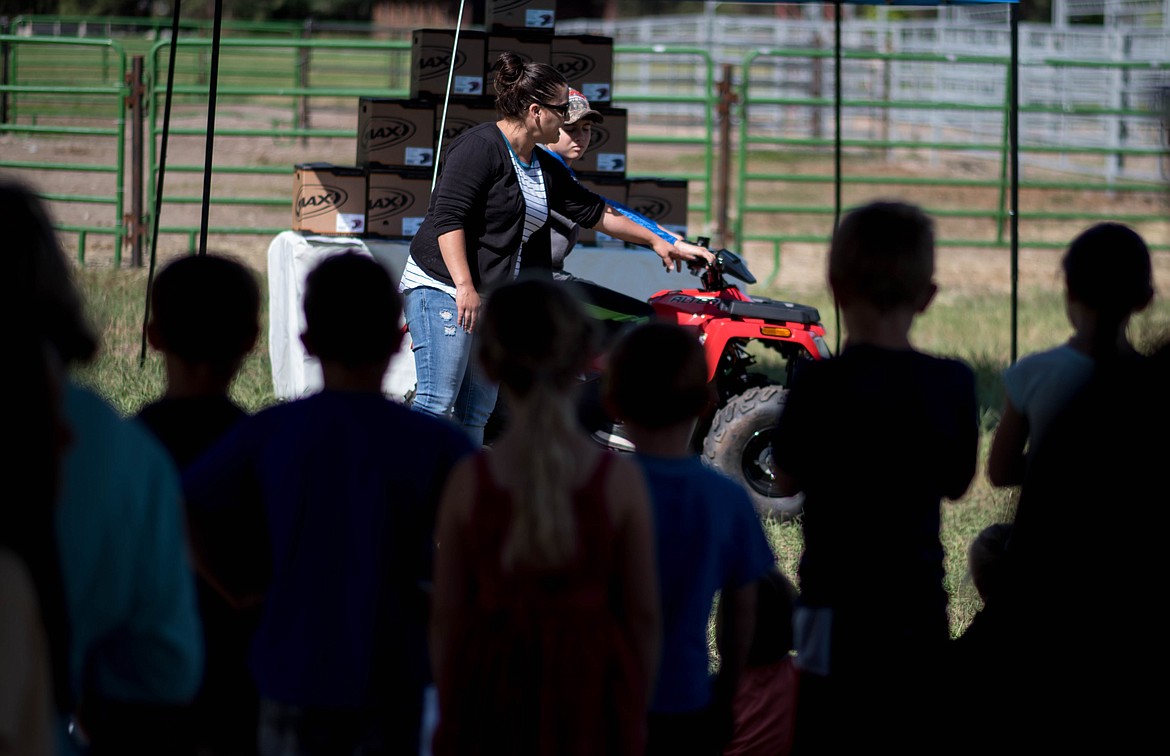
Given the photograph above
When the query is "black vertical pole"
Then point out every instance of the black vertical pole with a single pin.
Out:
(137, 121)
(5, 74)
(836, 114)
(303, 82)
(837, 141)
(1014, 133)
(726, 103)
(162, 171)
(210, 144)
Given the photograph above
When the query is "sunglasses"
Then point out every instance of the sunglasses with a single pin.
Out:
(561, 110)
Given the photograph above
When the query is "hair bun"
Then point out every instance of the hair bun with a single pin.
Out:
(509, 69)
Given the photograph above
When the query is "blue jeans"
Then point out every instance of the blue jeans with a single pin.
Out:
(451, 383)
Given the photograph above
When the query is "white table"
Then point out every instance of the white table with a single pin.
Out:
(636, 272)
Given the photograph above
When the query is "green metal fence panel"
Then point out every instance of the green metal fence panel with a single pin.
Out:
(151, 28)
(288, 94)
(785, 176)
(63, 103)
(683, 79)
(294, 98)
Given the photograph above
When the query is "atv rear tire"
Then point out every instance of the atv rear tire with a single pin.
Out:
(739, 445)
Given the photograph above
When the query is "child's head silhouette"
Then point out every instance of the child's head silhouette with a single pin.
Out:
(883, 255)
(657, 376)
(205, 309)
(352, 311)
(1107, 269)
(41, 285)
(535, 333)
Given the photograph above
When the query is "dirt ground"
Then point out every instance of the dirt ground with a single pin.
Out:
(974, 271)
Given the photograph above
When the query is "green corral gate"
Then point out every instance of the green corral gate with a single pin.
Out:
(82, 118)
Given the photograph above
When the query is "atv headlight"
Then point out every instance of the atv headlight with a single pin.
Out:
(822, 347)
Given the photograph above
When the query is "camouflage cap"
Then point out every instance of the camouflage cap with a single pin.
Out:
(579, 109)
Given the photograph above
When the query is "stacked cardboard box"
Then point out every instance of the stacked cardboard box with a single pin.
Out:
(396, 201)
(462, 115)
(433, 55)
(387, 191)
(613, 188)
(586, 62)
(663, 201)
(393, 132)
(329, 199)
(520, 15)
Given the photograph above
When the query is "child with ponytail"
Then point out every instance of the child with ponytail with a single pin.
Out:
(1108, 278)
(545, 625)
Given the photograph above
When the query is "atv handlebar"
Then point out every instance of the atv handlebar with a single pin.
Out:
(726, 262)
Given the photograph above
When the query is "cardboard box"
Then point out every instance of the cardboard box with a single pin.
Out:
(396, 201)
(607, 149)
(462, 115)
(528, 15)
(527, 45)
(661, 200)
(586, 62)
(431, 61)
(612, 188)
(394, 132)
(329, 199)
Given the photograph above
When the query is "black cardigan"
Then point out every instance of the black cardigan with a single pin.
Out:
(477, 190)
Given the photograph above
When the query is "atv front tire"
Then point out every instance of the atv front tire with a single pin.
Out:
(739, 444)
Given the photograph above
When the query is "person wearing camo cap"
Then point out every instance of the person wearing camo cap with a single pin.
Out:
(614, 309)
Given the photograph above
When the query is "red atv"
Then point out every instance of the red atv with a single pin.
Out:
(735, 437)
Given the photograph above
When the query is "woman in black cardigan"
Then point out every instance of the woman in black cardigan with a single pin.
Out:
(493, 192)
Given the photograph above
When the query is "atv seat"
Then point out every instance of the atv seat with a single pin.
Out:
(774, 311)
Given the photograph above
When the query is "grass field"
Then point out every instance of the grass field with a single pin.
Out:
(972, 318)
(971, 322)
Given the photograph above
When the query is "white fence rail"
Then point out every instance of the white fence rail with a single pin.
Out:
(1091, 97)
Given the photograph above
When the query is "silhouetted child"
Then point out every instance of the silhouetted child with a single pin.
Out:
(133, 654)
(875, 437)
(1107, 278)
(34, 625)
(1087, 563)
(349, 481)
(205, 318)
(545, 632)
(708, 535)
(765, 702)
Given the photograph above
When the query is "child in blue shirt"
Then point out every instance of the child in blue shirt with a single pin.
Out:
(708, 536)
(348, 481)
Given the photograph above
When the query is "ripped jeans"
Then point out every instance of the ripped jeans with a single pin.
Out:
(451, 383)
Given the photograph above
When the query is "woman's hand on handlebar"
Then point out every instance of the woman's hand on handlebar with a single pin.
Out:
(695, 255)
(674, 255)
(670, 254)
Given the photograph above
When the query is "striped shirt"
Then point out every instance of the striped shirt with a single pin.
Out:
(535, 199)
(414, 276)
(531, 180)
